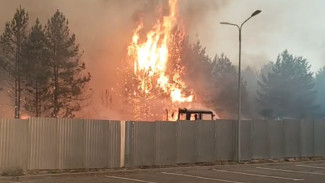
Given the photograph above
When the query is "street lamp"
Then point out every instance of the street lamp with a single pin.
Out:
(239, 78)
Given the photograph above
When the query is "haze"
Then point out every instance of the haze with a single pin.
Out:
(104, 27)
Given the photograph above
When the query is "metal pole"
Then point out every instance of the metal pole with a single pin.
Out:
(239, 82)
(239, 100)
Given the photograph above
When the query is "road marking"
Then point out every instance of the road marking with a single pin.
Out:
(199, 177)
(291, 171)
(258, 175)
(310, 166)
(124, 178)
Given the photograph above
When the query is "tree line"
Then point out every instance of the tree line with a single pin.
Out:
(288, 89)
(214, 80)
(41, 67)
(283, 89)
(41, 71)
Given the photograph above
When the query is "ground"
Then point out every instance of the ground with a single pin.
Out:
(302, 172)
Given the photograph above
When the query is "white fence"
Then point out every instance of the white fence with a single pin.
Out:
(44, 143)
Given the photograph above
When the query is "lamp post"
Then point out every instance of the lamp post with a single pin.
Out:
(239, 79)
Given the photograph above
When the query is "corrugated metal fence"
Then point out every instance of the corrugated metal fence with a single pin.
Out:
(13, 143)
(165, 143)
(46, 143)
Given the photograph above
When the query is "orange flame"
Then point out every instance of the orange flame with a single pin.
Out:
(151, 58)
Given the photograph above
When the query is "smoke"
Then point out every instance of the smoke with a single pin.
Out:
(281, 25)
(104, 29)
(199, 18)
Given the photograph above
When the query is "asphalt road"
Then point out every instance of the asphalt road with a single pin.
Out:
(301, 172)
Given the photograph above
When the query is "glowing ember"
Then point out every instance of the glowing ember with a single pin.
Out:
(151, 57)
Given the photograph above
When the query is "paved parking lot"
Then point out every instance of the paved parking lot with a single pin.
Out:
(311, 172)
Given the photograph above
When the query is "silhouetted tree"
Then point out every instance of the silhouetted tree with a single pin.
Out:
(12, 41)
(197, 69)
(320, 88)
(67, 83)
(225, 88)
(36, 67)
(287, 90)
(266, 69)
(2, 71)
(251, 77)
(215, 82)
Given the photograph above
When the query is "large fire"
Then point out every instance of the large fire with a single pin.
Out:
(150, 56)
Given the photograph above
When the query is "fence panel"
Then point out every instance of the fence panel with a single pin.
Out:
(246, 127)
(96, 146)
(292, 138)
(166, 143)
(114, 144)
(142, 144)
(260, 140)
(186, 143)
(102, 148)
(205, 141)
(225, 147)
(43, 142)
(276, 137)
(306, 138)
(319, 136)
(13, 144)
(71, 143)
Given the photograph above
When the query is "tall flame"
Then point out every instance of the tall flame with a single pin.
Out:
(151, 58)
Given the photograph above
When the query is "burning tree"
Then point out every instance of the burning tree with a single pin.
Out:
(154, 76)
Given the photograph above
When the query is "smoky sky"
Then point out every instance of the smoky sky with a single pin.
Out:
(104, 28)
(295, 25)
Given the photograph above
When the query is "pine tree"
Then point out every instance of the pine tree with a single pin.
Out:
(225, 88)
(36, 67)
(12, 41)
(2, 71)
(251, 77)
(288, 90)
(67, 81)
(214, 81)
(197, 70)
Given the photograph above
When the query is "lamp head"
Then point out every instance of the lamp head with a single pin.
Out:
(256, 13)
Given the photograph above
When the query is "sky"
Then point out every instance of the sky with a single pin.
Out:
(295, 25)
(104, 28)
